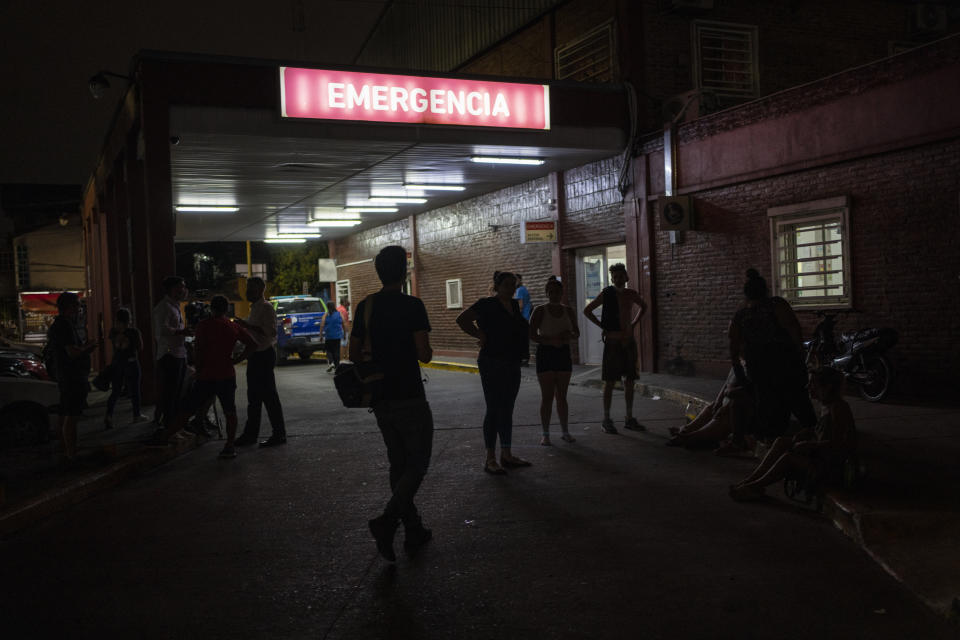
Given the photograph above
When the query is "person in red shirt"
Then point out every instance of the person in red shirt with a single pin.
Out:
(216, 338)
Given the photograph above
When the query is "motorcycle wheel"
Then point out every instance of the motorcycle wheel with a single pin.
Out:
(878, 375)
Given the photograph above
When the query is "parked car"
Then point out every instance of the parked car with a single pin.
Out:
(298, 325)
(22, 364)
(26, 406)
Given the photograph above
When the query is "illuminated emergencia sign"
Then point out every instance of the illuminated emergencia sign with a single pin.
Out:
(377, 97)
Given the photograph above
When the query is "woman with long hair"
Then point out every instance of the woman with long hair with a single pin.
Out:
(496, 322)
(552, 327)
(765, 333)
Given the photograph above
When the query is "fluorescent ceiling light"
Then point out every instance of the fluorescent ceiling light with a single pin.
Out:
(285, 240)
(334, 223)
(305, 236)
(204, 208)
(371, 209)
(506, 160)
(435, 187)
(396, 200)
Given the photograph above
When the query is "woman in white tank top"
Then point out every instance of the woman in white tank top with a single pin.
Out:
(552, 327)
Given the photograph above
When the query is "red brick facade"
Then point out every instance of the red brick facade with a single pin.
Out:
(887, 138)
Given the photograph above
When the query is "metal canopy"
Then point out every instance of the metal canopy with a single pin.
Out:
(281, 173)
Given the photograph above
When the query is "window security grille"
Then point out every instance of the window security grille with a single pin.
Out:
(591, 58)
(811, 257)
(725, 59)
(454, 297)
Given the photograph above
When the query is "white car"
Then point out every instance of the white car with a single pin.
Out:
(25, 410)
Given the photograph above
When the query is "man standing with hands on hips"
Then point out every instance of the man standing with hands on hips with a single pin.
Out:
(261, 383)
(619, 345)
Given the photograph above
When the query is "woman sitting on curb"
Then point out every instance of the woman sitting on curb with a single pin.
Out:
(732, 411)
(819, 453)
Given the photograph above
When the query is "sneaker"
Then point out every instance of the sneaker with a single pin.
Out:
(140, 418)
(566, 437)
(383, 531)
(331, 368)
(228, 452)
(633, 425)
(607, 426)
(415, 538)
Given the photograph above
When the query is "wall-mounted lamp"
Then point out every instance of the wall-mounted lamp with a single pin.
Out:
(98, 82)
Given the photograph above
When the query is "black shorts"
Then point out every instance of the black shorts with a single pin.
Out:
(72, 393)
(203, 390)
(551, 358)
(619, 360)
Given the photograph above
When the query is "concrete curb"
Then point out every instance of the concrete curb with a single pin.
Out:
(450, 366)
(88, 484)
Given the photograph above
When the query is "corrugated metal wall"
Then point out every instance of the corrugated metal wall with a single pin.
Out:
(440, 35)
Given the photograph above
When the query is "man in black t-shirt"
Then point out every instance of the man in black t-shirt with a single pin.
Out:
(399, 336)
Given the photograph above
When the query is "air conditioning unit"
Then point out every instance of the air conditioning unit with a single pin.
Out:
(930, 17)
(676, 213)
(690, 105)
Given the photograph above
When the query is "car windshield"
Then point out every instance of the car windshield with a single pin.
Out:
(298, 306)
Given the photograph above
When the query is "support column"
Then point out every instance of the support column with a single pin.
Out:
(639, 240)
(558, 211)
(414, 273)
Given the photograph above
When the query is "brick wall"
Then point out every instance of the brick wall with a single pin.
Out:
(472, 239)
(903, 218)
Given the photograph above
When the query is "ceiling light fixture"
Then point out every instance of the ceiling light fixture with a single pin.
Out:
(506, 160)
(370, 209)
(285, 240)
(201, 208)
(342, 222)
(396, 200)
(435, 187)
(305, 236)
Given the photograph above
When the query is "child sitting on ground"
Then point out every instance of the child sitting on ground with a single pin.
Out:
(819, 453)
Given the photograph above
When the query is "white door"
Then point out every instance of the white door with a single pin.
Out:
(592, 276)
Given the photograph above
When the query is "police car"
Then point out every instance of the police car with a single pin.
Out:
(298, 325)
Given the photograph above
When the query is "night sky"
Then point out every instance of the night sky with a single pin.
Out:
(53, 128)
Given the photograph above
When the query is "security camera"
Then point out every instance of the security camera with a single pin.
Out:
(174, 140)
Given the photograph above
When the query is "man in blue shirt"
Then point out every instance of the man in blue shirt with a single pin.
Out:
(523, 297)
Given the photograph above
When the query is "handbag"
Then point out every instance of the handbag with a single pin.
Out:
(360, 384)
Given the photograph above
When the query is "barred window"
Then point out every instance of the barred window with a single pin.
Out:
(725, 59)
(811, 253)
(23, 268)
(590, 58)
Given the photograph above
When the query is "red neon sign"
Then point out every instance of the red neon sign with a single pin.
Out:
(378, 97)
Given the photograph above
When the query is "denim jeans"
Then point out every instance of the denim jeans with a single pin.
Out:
(125, 374)
(407, 429)
(501, 383)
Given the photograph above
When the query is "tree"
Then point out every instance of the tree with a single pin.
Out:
(294, 266)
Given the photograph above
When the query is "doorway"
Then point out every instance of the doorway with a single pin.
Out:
(593, 275)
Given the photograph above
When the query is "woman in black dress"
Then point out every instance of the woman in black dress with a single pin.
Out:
(502, 331)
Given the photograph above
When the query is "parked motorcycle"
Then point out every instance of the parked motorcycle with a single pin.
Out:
(858, 354)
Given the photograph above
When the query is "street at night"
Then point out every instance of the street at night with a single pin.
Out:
(614, 536)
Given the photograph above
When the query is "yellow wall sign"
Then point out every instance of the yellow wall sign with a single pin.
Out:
(538, 231)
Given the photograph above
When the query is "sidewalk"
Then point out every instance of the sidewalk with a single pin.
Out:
(905, 514)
